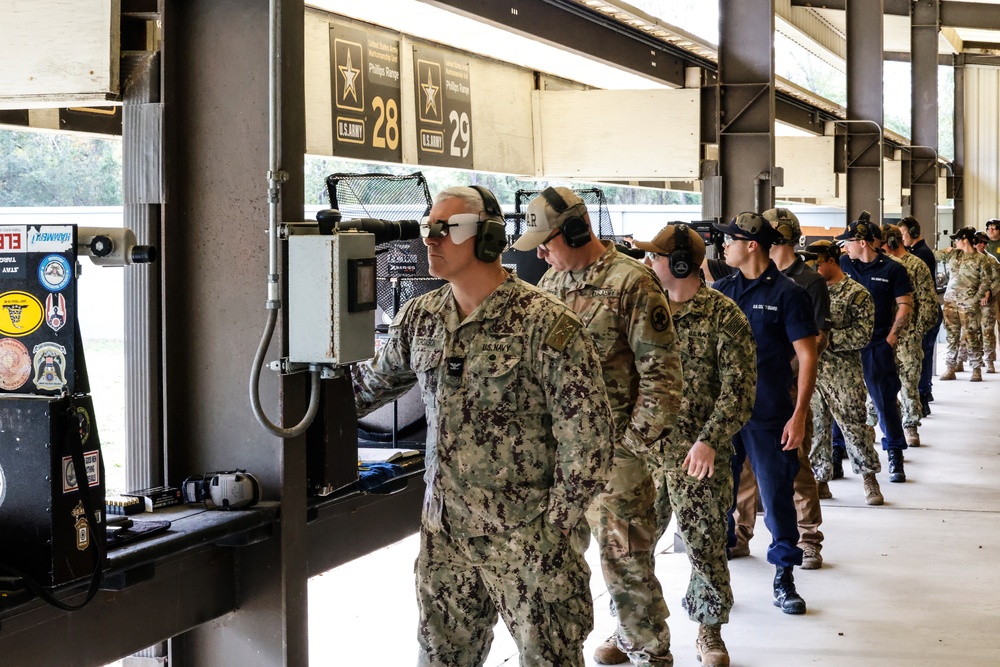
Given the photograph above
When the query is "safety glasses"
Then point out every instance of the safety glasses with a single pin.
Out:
(728, 239)
(544, 245)
(436, 229)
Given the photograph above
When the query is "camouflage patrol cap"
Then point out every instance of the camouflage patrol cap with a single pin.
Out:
(965, 233)
(665, 242)
(824, 249)
(785, 223)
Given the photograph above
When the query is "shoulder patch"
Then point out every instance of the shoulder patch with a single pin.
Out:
(660, 318)
(859, 298)
(561, 332)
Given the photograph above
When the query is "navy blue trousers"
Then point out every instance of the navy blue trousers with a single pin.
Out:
(775, 471)
(927, 369)
(882, 379)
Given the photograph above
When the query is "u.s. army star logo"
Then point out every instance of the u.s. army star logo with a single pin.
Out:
(660, 318)
(561, 333)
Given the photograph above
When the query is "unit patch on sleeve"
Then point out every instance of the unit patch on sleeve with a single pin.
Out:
(561, 332)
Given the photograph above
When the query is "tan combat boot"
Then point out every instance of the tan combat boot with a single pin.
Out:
(960, 367)
(949, 374)
(990, 368)
(608, 653)
(912, 437)
(823, 490)
(873, 494)
(711, 649)
(977, 375)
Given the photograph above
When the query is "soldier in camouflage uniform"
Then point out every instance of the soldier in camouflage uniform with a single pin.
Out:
(969, 283)
(720, 374)
(622, 305)
(909, 349)
(840, 388)
(518, 425)
(989, 311)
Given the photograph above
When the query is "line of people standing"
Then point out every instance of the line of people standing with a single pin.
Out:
(611, 398)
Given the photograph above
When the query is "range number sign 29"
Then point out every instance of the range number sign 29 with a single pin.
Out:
(443, 95)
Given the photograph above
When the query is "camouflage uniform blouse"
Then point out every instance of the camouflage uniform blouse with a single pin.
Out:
(852, 317)
(518, 422)
(623, 306)
(720, 371)
(969, 276)
(925, 305)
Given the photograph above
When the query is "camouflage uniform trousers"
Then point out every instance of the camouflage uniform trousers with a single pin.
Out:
(537, 578)
(962, 325)
(909, 360)
(623, 521)
(701, 507)
(841, 395)
(988, 325)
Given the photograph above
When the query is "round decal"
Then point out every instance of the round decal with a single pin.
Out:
(20, 313)
(83, 417)
(15, 364)
(54, 272)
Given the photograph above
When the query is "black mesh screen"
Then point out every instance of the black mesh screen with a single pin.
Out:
(402, 271)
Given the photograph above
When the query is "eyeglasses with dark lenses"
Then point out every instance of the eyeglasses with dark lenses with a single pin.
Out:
(544, 244)
(434, 229)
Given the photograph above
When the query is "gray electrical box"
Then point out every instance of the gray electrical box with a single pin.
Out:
(331, 298)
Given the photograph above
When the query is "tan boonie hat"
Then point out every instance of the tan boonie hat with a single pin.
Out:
(541, 219)
(665, 242)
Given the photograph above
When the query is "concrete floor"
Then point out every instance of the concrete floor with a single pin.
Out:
(915, 582)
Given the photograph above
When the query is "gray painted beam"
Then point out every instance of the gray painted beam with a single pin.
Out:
(215, 264)
(958, 164)
(924, 114)
(967, 15)
(892, 7)
(746, 106)
(864, 108)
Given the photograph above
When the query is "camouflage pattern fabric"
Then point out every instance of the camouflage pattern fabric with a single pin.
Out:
(988, 319)
(840, 387)
(535, 577)
(623, 307)
(517, 447)
(720, 373)
(909, 349)
(970, 277)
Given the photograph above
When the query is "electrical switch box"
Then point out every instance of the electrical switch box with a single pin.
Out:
(331, 298)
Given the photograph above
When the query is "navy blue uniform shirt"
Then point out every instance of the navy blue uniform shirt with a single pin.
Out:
(780, 312)
(885, 279)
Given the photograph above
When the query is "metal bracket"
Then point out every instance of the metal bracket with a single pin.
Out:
(285, 367)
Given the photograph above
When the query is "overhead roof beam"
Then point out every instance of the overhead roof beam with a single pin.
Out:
(894, 7)
(954, 14)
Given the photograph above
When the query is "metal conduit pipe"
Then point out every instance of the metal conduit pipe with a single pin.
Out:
(881, 167)
(275, 177)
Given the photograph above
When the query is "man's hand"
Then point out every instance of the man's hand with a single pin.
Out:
(892, 339)
(794, 432)
(700, 460)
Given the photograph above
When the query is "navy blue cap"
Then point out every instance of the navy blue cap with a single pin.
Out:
(749, 226)
(859, 230)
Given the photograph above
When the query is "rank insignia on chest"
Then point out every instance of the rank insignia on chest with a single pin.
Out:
(455, 366)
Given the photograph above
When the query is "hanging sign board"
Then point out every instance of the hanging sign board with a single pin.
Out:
(365, 85)
(444, 108)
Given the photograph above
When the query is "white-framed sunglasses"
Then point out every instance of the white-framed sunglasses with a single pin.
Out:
(436, 229)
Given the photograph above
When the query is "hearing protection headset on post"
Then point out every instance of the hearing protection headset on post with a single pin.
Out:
(681, 257)
(575, 229)
(491, 233)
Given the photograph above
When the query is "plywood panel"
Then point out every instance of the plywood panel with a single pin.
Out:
(892, 184)
(76, 61)
(319, 121)
(808, 166)
(620, 134)
(501, 114)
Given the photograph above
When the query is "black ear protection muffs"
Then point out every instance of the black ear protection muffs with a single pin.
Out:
(914, 228)
(491, 233)
(575, 229)
(681, 257)
(892, 241)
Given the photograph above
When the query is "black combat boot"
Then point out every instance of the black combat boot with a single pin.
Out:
(896, 472)
(785, 596)
(838, 466)
(925, 405)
